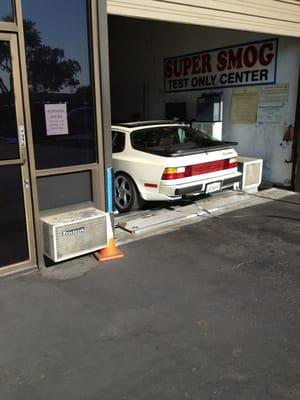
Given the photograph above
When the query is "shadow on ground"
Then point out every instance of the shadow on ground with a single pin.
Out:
(210, 311)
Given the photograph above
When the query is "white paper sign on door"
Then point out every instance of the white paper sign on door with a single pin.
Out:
(56, 119)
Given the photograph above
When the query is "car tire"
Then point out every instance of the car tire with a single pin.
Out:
(127, 197)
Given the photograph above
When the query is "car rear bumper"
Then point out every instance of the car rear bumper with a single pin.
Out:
(199, 187)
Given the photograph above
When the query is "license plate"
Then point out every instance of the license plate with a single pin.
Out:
(213, 187)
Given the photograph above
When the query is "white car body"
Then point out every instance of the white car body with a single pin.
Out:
(146, 169)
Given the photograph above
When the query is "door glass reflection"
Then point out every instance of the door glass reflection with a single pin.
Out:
(6, 11)
(13, 235)
(58, 54)
(9, 148)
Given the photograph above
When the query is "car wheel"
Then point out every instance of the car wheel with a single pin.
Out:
(127, 197)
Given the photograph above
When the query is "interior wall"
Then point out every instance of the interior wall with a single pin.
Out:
(137, 51)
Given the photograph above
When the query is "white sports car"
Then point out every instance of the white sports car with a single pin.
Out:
(159, 160)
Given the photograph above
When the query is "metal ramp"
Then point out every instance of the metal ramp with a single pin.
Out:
(147, 222)
(144, 220)
(152, 219)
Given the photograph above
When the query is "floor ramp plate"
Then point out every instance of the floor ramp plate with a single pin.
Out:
(145, 221)
(221, 201)
(152, 220)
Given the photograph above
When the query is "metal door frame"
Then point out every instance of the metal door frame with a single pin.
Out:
(100, 76)
(23, 158)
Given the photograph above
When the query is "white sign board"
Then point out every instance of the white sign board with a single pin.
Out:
(240, 65)
(56, 119)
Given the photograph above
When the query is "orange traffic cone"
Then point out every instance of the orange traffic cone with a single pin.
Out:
(111, 252)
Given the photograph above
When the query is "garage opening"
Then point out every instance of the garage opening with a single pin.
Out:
(238, 87)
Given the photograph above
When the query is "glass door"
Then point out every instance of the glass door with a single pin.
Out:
(16, 223)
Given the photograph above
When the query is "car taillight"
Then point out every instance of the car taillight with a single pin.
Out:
(174, 173)
(198, 169)
(233, 162)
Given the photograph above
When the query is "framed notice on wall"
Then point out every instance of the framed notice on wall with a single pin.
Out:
(271, 114)
(263, 105)
(272, 105)
(244, 105)
(56, 119)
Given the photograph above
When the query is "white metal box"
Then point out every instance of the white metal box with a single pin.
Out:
(74, 233)
(251, 169)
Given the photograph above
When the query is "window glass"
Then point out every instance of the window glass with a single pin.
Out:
(171, 140)
(6, 11)
(9, 147)
(12, 217)
(60, 84)
(118, 141)
(64, 190)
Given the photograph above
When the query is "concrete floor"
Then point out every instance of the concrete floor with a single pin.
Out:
(210, 311)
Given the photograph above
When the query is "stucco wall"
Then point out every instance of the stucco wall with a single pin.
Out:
(137, 50)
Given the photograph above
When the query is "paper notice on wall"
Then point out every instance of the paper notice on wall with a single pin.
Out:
(244, 105)
(56, 119)
(272, 104)
(271, 114)
(274, 94)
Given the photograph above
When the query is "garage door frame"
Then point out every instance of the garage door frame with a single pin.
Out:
(270, 16)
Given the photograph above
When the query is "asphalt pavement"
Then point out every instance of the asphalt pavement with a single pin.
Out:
(209, 311)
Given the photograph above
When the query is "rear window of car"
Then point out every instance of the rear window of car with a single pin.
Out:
(170, 140)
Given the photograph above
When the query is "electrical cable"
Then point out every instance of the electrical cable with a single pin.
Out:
(255, 216)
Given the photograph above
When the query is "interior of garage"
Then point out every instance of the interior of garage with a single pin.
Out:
(138, 48)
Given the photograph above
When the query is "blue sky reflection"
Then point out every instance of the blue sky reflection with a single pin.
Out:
(62, 24)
